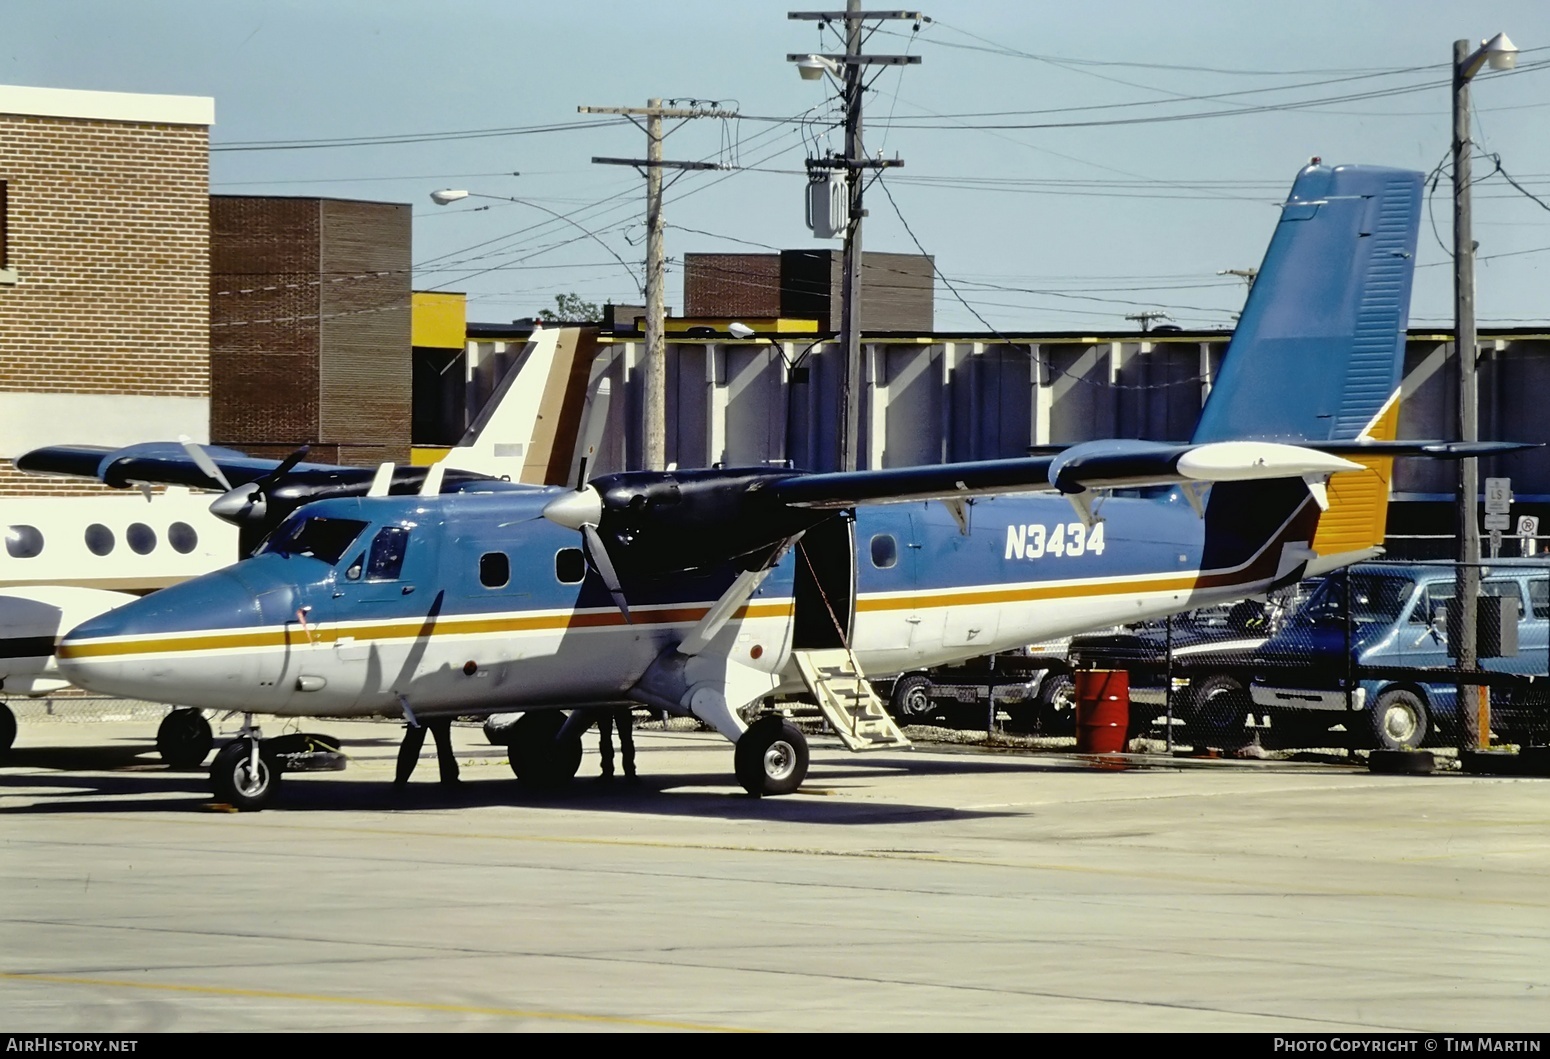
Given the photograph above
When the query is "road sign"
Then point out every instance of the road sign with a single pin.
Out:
(1495, 521)
(1498, 496)
(1528, 525)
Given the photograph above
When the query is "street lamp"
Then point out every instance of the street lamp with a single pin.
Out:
(447, 196)
(1500, 54)
(813, 67)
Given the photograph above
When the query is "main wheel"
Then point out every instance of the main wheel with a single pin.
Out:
(911, 698)
(238, 783)
(1217, 710)
(7, 729)
(184, 739)
(771, 757)
(1057, 704)
(539, 758)
(1397, 720)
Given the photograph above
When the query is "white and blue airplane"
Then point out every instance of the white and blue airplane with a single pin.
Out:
(703, 592)
(66, 559)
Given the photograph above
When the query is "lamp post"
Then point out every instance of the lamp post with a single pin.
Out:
(1500, 54)
(447, 196)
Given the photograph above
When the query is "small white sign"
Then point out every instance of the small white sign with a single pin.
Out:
(1494, 521)
(1528, 525)
(1498, 496)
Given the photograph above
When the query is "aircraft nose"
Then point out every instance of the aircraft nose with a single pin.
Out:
(167, 646)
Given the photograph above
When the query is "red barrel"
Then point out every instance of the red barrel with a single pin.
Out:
(1102, 710)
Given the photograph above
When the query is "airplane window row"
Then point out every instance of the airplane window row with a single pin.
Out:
(570, 568)
(26, 542)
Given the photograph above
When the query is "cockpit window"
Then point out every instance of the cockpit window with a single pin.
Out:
(321, 538)
(387, 554)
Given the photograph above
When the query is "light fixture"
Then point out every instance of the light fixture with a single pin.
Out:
(1501, 53)
(738, 329)
(446, 195)
(814, 67)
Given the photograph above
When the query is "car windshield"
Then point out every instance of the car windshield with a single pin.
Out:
(321, 538)
(1376, 599)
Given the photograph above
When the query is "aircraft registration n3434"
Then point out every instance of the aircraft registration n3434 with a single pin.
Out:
(703, 592)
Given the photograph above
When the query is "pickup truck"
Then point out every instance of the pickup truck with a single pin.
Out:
(1013, 681)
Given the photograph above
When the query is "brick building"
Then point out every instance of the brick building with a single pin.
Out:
(310, 327)
(104, 237)
(896, 289)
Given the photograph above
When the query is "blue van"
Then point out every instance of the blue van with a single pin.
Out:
(1397, 618)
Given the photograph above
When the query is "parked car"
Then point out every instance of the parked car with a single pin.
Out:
(1009, 680)
(1213, 654)
(1362, 657)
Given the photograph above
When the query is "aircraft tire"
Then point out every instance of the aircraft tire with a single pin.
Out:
(771, 757)
(911, 698)
(184, 739)
(7, 729)
(1397, 720)
(538, 757)
(236, 785)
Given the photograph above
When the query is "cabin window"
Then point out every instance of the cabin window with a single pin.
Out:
(23, 542)
(1539, 597)
(182, 537)
(570, 566)
(386, 560)
(885, 551)
(494, 570)
(99, 539)
(320, 538)
(141, 538)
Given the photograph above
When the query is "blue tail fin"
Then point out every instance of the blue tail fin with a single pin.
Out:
(1320, 346)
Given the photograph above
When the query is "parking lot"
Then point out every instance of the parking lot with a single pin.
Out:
(936, 889)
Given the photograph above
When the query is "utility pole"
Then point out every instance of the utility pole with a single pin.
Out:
(1468, 60)
(854, 162)
(656, 347)
(1145, 318)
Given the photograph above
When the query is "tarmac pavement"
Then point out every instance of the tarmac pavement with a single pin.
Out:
(935, 889)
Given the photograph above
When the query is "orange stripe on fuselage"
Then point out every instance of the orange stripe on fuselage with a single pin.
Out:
(293, 636)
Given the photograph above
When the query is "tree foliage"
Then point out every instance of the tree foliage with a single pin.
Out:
(571, 307)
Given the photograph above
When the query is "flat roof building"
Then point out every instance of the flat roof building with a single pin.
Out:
(104, 262)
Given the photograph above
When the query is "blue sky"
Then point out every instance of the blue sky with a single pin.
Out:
(1068, 227)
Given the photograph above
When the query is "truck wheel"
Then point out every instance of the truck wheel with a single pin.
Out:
(911, 698)
(1057, 704)
(1398, 720)
(1217, 709)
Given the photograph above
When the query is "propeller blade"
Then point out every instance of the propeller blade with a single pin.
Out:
(203, 461)
(597, 555)
(284, 467)
(596, 420)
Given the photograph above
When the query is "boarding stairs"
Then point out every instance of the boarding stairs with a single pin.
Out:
(847, 700)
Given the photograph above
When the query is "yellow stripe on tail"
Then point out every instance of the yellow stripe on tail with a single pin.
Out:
(1359, 500)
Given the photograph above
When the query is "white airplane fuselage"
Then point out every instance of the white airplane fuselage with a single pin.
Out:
(480, 605)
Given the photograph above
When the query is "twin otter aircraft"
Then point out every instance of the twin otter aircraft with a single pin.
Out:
(703, 592)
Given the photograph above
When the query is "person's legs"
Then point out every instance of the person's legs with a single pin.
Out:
(605, 742)
(409, 753)
(625, 719)
(446, 760)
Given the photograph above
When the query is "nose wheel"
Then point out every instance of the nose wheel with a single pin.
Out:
(246, 774)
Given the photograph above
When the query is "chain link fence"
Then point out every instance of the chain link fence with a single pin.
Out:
(1364, 658)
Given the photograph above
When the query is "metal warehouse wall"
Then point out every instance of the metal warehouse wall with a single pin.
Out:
(935, 398)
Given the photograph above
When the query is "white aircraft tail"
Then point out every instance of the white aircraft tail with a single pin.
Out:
(528, 430)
